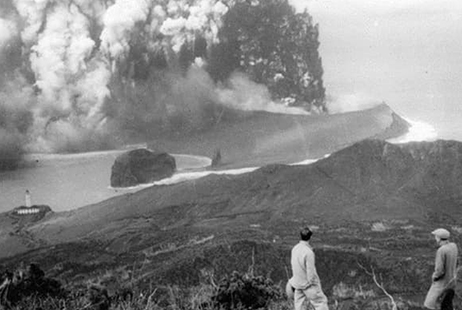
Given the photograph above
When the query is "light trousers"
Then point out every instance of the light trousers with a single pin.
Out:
(313, 295)
(432, 300)
(439, 297)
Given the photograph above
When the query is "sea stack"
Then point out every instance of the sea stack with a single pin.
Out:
(141, 166)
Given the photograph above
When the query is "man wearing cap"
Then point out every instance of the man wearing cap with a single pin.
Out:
(444, 277)
(305, 282)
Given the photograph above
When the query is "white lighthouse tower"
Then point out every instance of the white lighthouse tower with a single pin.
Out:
(28, 199)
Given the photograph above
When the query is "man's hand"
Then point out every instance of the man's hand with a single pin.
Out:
(437, 278)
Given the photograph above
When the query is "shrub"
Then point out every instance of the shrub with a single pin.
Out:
(245, 291)
(31, 282)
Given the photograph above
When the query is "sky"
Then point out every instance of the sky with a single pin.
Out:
(407, 53)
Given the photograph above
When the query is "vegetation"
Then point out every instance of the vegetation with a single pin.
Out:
(245, 291)
(238, 291)
(180, 247)
(356, 273)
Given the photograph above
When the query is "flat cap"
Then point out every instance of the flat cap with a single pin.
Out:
(441, 233)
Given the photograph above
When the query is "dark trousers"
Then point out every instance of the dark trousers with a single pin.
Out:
(446, 299)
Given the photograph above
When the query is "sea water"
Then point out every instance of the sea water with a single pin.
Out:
(66, 182)
(405, 53)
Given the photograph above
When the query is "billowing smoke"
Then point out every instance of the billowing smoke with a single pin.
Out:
(244, 94)
(15, 96)
(80, 75)
(16, 100)
(66, 78)
(119, 20)
(204, 16)
(8, 31)
(71, 50)
(183, 103)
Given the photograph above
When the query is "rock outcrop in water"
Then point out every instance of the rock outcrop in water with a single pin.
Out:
(141, 166)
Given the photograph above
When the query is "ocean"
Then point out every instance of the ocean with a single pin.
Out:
(66, 182)
(405, 53)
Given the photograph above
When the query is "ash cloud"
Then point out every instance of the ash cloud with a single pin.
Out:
(119, 20)
(16, 118)
(81, 75)
(243, 94)
(8, 31)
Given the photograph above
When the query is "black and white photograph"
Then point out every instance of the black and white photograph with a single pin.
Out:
(230, 154)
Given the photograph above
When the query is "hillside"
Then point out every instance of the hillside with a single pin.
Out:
(246, 139)
(371, 204)
(368, 181)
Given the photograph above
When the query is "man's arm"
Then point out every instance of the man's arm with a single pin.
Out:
(439, 266)
(310, 268)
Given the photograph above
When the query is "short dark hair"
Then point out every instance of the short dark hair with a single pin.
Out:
(305, 234)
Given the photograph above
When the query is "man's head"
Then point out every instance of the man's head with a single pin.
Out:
(305, 234)
(441, 234)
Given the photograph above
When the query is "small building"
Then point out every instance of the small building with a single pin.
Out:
(29, 210)
(34, 210)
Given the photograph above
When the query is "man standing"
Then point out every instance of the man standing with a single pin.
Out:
(441, 291)
(305, 280)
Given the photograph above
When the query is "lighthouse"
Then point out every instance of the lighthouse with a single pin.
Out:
(28, 199)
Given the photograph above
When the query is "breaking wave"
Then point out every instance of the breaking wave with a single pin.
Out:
(418, 131)
(189, 176)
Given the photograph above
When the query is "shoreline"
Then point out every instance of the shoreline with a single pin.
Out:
(57, 179)
(253, 141)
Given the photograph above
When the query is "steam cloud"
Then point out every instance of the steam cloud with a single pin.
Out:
(119, 20)
(7, 31)
(244, 94)
(58, 59)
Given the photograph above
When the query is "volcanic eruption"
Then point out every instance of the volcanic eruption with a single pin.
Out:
(81, 75)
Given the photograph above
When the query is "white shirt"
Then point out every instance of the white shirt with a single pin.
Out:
(303, 266)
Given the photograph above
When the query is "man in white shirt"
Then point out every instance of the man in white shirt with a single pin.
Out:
(305, 280)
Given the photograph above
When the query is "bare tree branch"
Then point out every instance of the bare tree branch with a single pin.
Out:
(379, 285)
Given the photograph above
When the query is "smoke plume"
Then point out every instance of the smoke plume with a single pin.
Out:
(81, 75)
(244, 94)
(8, 30)
(119, 20)
(16, 118)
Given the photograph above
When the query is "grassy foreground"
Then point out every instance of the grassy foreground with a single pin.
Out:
(235, 291)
